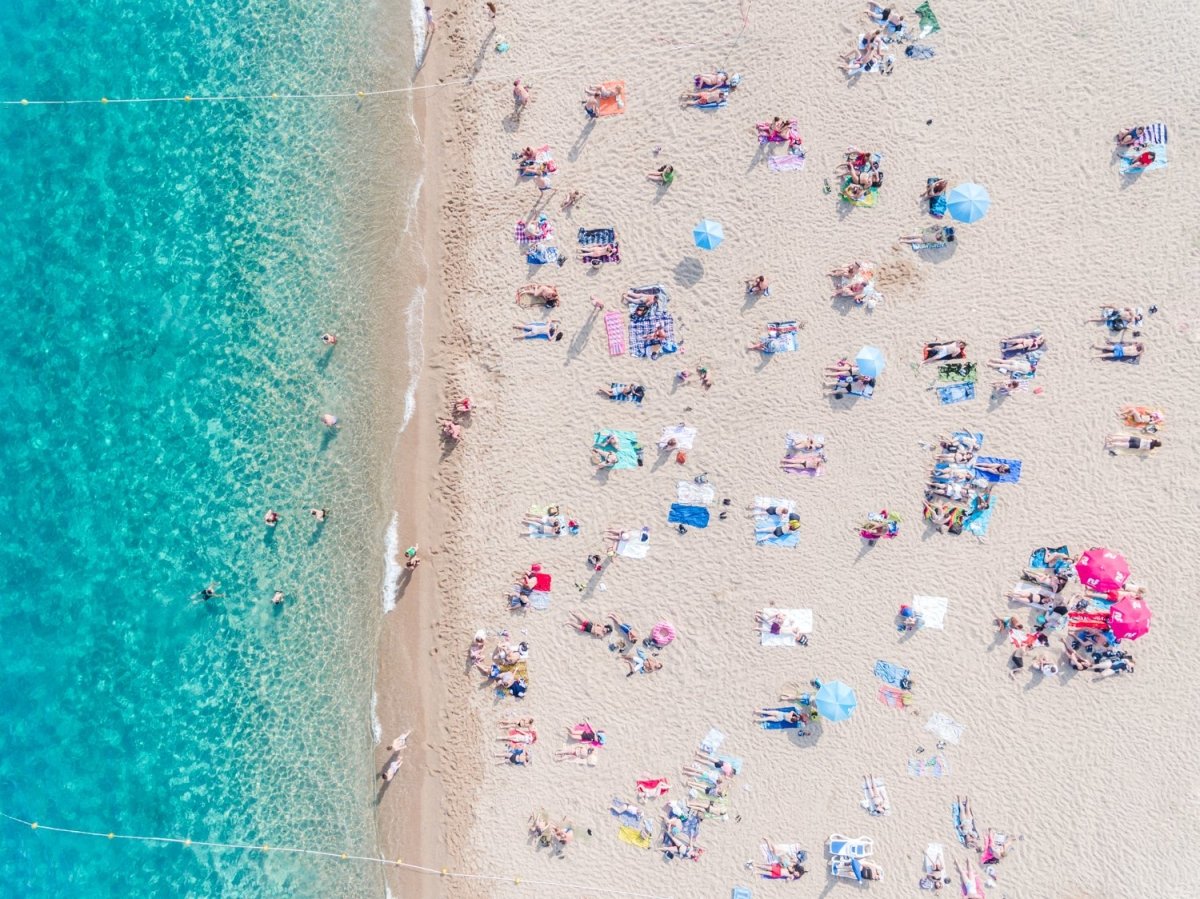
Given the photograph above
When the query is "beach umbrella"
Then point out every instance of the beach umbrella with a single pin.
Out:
(835, 701)
(1102, 569)
(708, 234)
(870, 361)
(968, 202)
(1129, 618)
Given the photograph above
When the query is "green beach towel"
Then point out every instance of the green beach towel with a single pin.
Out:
(956, 372)
(626, 452)
(929, 22)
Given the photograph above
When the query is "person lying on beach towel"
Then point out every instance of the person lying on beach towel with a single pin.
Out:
(808, 464)
(706, 98)
(940, 352)
(789, 715)
(934, 237)
(783, 863)
(777, 131)
(1116, 351)
(640, 663)
(1022, 343)
(1142, 418)
(885, 16)
(776, 624)
(630, 392)
(605, 99)
(550, 330)
(716, 79)
(1118, 318)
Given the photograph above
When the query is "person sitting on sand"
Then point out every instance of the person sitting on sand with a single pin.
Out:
(935, 188)
(802, 464)
(941, 515)
(1141, 160)
(520, 97)
(854, 192)
(546, 293)
(586, 626)
(1132, 137)
(758, 286)
(450, 430)
(940, 352)
(934, 234)
(1114, 442)
(1115, 351)
(1077, 661)
(598, 251)
(664, 175)
(572, 198)
(464, 406)
(886, 16)
(1023, 343)
(551, 330)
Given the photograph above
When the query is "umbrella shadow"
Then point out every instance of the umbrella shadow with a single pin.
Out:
(688, 271)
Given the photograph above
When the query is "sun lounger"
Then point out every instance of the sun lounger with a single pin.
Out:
(614, 327)
(640, 330)
(795, 622)
(609, 106)
(891, 673)
(945, 728)
(1010, 477)
(858, 848)
(932, 610)
(695, 494)
(884, 806)
(689, 516)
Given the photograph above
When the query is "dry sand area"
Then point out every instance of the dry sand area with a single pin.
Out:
(1094, 777)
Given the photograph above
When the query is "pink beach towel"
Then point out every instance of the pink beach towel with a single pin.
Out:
(614, 325)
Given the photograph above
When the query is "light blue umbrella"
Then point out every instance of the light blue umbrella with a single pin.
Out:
(870, 361)
(835, 701)
(968, 202)
(708, 234)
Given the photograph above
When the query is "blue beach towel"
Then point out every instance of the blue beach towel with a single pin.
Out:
(626, 454)
(782, 725)
(1037, 559)
(953, 394)
(979, 521)
(691, 516)
(978, 435)
(542, 255)
(1013, 476)
(890, 673)
(1160, 160)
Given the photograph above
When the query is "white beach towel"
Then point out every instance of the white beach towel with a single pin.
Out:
(712, 741)
(934, 857)
(794, 620)
(792, 849)
(692, 493)
(545, 529)
(932, 610)
(885, 807)
(633, 549)
(795, 437)
(684, 436)
(540, 600)
(945, 728)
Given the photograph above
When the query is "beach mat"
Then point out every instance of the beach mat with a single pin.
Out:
(782, 337)
(781, 725)
(929, 22)
(953, 394)
(694, 494)
(640, 330)
(893, 697)
(612, 105)
(957, 372)
(636, 548)
(1012, 477)
(945, 728)
(890, 673)
(786, 162)
(684, 436)
(690, 516)
(932, 610)
(980, 520)
(614, 327)
(794, 620)
(634, 836)
(626, 454)
(542, 255)
(593, 236)
(1160, 160)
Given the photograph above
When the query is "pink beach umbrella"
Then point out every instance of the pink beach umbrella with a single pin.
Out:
(1129, 618)
(1102, 569)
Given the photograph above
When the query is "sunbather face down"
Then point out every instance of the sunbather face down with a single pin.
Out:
(586, 626)
(802, 463)
(598, 251)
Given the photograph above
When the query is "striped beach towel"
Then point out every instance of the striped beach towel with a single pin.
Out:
(591, 236)
(523, 232)
(1154, 134)
(614, 326)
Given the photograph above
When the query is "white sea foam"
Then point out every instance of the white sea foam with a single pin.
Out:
(418, 26)
(376, 726)
(414, 322)
(391, 563)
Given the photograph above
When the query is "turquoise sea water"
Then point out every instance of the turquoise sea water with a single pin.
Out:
(167, 271)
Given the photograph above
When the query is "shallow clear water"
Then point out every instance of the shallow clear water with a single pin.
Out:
(166, 274)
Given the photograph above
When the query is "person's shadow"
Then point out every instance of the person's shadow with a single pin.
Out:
(584, 134)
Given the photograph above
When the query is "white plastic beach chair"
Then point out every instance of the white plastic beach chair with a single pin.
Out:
(858, 848)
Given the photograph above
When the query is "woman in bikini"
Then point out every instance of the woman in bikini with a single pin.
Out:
(1023, 344)
(802, 464)
(940, 352)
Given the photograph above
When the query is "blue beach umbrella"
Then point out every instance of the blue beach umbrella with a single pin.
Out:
(968, 202)
(708, 234)
(870, 361)
(835, 701)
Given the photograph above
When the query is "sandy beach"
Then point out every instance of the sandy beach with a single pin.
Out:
(1090, 776)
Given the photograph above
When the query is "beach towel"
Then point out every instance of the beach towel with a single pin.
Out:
(781, 337)
(1128, 166)
(977, 436)
(539, 231)
(695, 494)
(929, 22)
(885, 803)
(932, 610)
(614, 326)
(626, 453)
(592, 236)
(1155, 133)
(956, 372)
(614, 256)
(540, 600)
(978, 521)
(635, 548)
(712, 741)
(924, 51)
(866, 201)
(795, 621)
(784, 849)
(764, 136)
(624, 397)
(893, 697)
(630, 817)
(934, 766)
(1011, 477)
(640, 330)
(740, 893)
(795, 438)
(945, 728)
(691, 516)
(804, 472)
(653, 788)
(634, 836)
(787, 162)
(937, 205)
(890, 673)
(1037, 559)
(683, 436)
(928, 245)
(934, 858)
(782, 725)
(611, 105)
(765, 525)
(542, 255)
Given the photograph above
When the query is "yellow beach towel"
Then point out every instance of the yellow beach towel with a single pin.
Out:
(634, 837)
